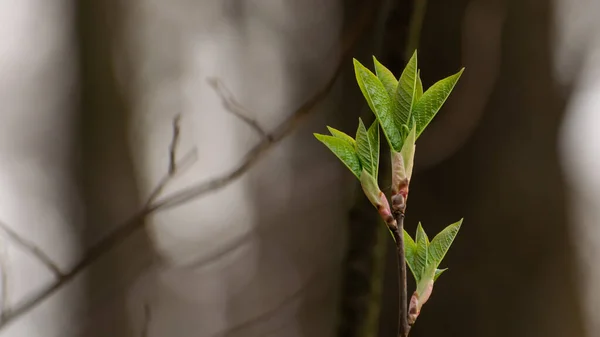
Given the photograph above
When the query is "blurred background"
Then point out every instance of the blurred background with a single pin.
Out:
(111, 108)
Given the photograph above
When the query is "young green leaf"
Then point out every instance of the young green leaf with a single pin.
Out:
(370, 188)
(379, 102)
(373, 133)
(386, 77)
(438, 272)
(425, 286)
(432, 100)
(344, 151)
(442, 242)
(410, 251)
(422, 242)
(341, 135)
(419, 91)
(408, 153)
(405, 92)
(365, 149)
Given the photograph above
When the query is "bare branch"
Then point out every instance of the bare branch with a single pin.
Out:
(174, 167)
(174, 144)
(33, 249)
(136, 222)
(235, 108)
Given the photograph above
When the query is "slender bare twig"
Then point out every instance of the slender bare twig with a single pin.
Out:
(146, 322)
(174, 144)
(136, 222)
(33, 249)
(234, 107)
(175, 166)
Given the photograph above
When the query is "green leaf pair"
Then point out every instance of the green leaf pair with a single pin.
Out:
(401, 104)
(357, 154)
(424, 257)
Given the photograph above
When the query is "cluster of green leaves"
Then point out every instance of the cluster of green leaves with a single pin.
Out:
(424, 257)
(357, 154)
(403, 110)
(401, 104)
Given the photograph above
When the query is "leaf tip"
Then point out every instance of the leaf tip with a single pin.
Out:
(459, 223)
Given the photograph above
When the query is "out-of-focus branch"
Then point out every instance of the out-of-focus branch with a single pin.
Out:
(234, 107)
(136, 222)
(33, 249)
(122, 232)
(175, 166)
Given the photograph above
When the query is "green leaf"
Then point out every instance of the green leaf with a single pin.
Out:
(344, 151)
(410, 251)
(365, 150)
(438, 272)
(419, 91)
(341, 135)
(442, 242)
(386, 77)
(405, 92)
(374, 141)
(432, 100)
(422, 242)
(370, 188)
(425, 285)
(408, 153)
(379, 102)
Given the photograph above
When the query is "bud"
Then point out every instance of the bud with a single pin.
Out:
(422, 294)
(402, 166)
(399, 178)
(375, 196)
(370, 187)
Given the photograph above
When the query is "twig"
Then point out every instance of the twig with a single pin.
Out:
(234, 107)
(174, 166)
(272, 138)
(174, 144)
(136, 222)
(398, 232)
(33, 249)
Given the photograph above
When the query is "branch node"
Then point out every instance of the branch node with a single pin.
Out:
(236, 109)
(33, 249)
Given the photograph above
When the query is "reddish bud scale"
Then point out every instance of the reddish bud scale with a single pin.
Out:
(383, 207)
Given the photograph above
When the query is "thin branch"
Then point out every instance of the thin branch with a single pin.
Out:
(33, 249)
(234, 107)
(136, 222)
(280, 132)
(174, 144)
(398, 232)
(174, 167)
